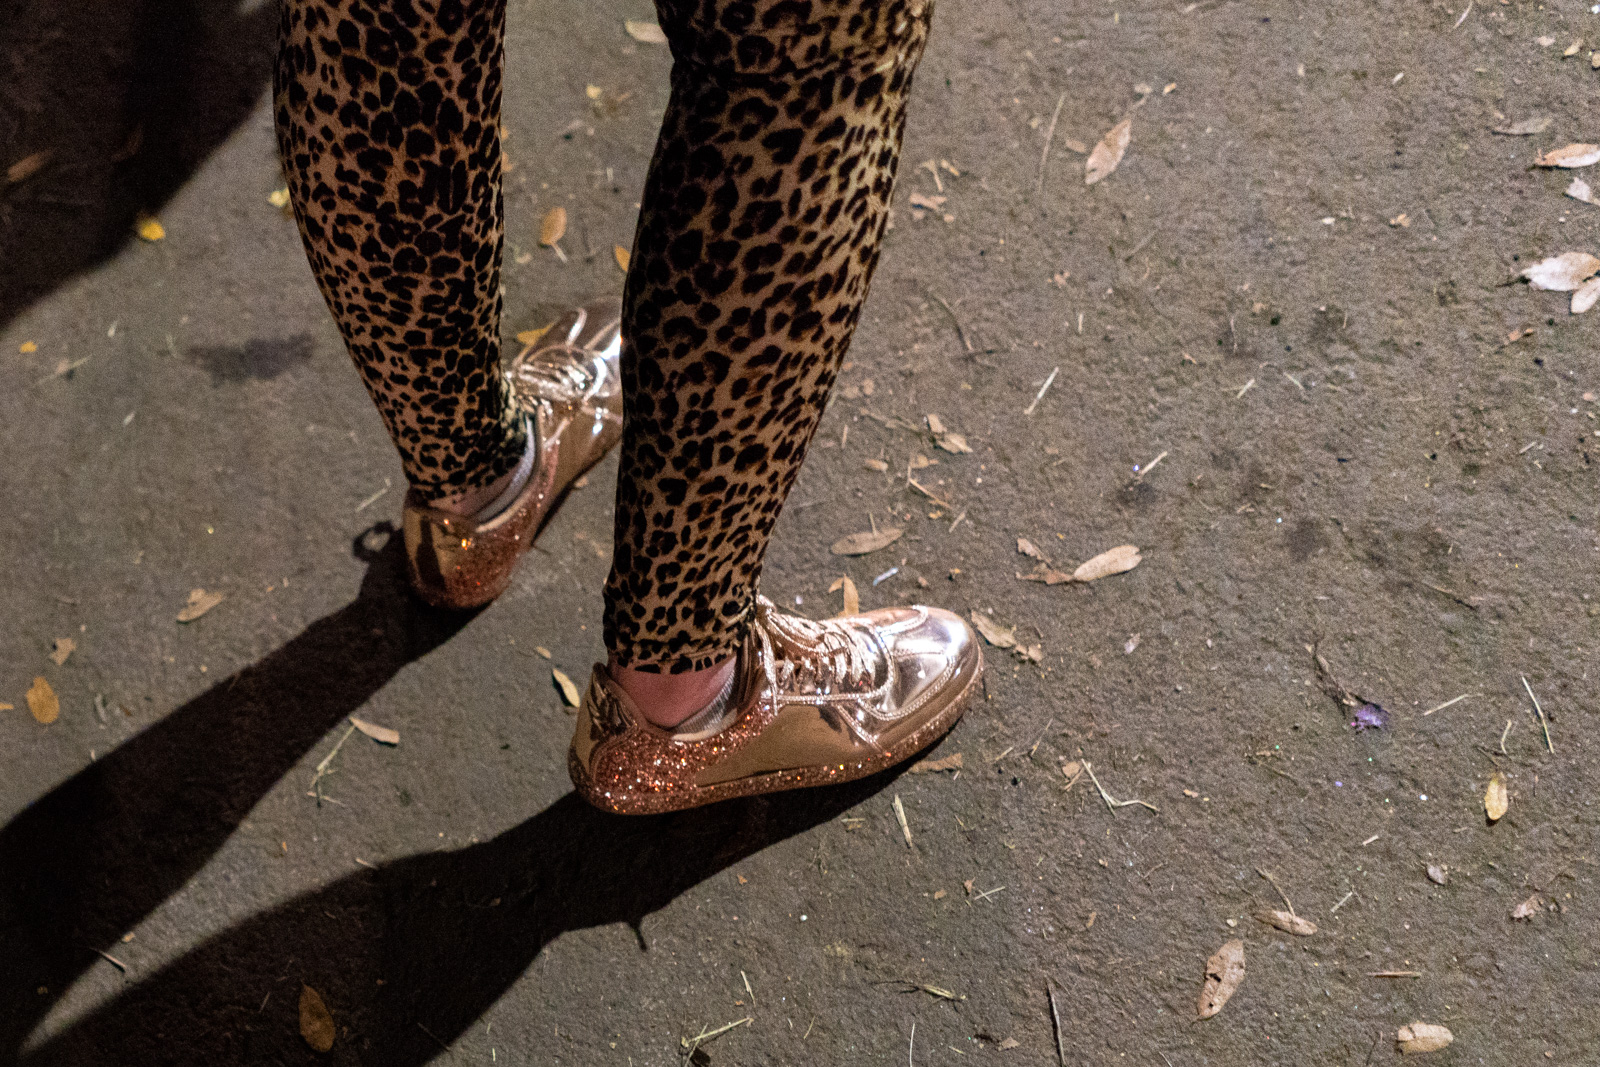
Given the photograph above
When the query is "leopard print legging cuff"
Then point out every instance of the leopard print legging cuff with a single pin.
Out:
(763, 213)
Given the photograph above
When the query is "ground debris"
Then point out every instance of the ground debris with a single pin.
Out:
(198, 604)
(953, 762)
(1108, 153)
(997, 635)
(1495, 799)
(645, 31)
(569, 690)
(381, 734)
(1224, 972)
(1526, 128)
(852, 599)
(64, 647)
(1423, 1037)
(1287, 921)
(1438, 874)
(43, 702)
(859, 544)
(1527, 909)
(1562, 273)
(1570, 156)
(316, 1021)
(945, 438)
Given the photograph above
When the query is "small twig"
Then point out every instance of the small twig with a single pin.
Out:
(1447, 703)
(1049, 136)
(1464, 13)
(1251, 384)
(1394, 974)
(925, 491)
(373, 499)
(747, 988)
(1371, 839)
(900, 815)
(961, 333)
(1148, 467)
(912, 1047)
(1278, 887)
(1342, 901)
(987, 893)
(1029, 409)
(1544, 722)
(1048, 723)
(322, 768)
(1503, 734)
(118, 964)
(1055, 1017)
(1112, 802)
(702, 1037)
(435, 1037)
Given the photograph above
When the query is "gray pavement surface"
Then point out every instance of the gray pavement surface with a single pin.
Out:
(1293, 290)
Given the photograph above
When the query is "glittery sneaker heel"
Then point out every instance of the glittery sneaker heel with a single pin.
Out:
(813, 703)
(567, 382)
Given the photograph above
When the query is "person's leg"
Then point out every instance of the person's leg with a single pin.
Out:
(763, 213)
(388, 120)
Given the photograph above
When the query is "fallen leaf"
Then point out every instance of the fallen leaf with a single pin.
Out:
(1047, 574)
(569, 691)
(1031, 653)
(1190, 793)
(316, 1021)
(624, 257)
(1423, 1037)
(1028, 548)
(932, 766)
(1545, 41)
(43, 702)
(528, 337)
(997, 635)
(1573, 155)
(28, 348)
(919, 461)
(1527, 127)
(1495, 800)
(1108, 153)
(1224, 972)
(1579, 190)
(554, 226)
(876, 465)
(199, 603)
(927, 203)
(7, 707)
(1438, 875)
(1585, 296)
(148, 227)
(1072, 768)
(1527, 909)
(859, 544)
(852, 599)
(1572, 49)
(938, 894)
(1401, 220)
(1114, 561)
(1010, 1043)
(953, 442)
(1562, 273)
(279, 197)
(64, 648)
(593, 92)
(935, 424)
(381, 734)
(645, 31)
(968, 885)
(27, 166)
(1287, 921)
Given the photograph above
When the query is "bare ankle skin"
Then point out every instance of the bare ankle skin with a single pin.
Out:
(668, 699)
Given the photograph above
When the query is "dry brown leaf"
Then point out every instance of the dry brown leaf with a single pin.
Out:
(1527, 909)
(1114, 561)
(953, 442)
(569, 691)
(1401, 220)
(1571, 156)
(381, 734)
(1010, 1043)
(876, 465)
(919, 461)
(623, 256)
(1585, 296)
(1526, 128)
(1423, 1037)
(316, 1021)
(1224, 972)
(1028, 548)
(1579, 189)
(27, 166)
(1495, 799)
(935, 424)
(43, 702)
(1287, 921)
(554, 226)
(1046, 574)
(1072, 769)
(65, 646)
(1438, 874)
(199, 603)
(528, 337)
(1108, 153)
(1562, 273)
(645, 31)
(997, 635)
(852, 599)
(859, 544)
(931, 766)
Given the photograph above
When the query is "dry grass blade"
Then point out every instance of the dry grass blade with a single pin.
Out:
(1112, 802)
(1543, 722)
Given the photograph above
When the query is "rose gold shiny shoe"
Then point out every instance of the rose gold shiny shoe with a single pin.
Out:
(567, 382)
(813, 703)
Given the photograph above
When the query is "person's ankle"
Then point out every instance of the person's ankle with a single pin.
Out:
(668, 700)
(486, 502)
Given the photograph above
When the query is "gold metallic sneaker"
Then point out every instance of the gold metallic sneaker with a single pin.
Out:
(813, 703)
(567, 382)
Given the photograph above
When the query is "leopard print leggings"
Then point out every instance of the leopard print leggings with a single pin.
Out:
(763, 212)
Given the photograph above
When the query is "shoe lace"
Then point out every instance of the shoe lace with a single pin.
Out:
(562, 373)
(819, 656)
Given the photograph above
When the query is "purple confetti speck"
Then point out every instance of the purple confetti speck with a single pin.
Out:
(1370, 717)
(1339, 784)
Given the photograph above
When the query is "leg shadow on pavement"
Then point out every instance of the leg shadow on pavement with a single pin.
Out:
(407, 955)
(107, 108)
(86, 862)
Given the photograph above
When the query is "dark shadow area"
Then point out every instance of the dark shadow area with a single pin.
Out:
(259, 359)
(407, 955)
(106, 108)
(83, 864)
